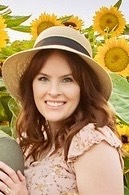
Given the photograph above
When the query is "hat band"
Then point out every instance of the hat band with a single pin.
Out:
(55, 40)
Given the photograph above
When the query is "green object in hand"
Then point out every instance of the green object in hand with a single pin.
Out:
(11, 153)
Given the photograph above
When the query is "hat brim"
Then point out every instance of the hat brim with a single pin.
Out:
(16, 64)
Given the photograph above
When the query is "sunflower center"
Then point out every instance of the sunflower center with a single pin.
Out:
(108, 22)
(116, 59)
(124, 139)
(70, 24)
(44, 25)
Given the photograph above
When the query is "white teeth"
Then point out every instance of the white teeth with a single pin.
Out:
(54, 104)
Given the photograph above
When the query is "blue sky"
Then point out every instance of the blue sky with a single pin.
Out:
(82, 8)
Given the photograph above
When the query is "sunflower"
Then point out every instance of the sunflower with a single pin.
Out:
(109, 21)
(43, 22)
(114, 56)
(74, 21)
(123, 131)
(3, 33)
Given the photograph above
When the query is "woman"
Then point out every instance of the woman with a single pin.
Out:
(66, 128)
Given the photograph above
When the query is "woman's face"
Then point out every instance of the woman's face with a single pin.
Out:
(56, 93)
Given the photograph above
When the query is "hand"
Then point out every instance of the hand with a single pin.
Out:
(11, 182)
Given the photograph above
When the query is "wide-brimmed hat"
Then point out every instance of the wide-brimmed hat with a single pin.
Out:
(57, 37)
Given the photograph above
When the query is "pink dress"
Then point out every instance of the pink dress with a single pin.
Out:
(53, 176)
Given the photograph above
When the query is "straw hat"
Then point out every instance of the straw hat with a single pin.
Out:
(57, 37)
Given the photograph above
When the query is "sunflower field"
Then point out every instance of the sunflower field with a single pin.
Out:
(109, 38)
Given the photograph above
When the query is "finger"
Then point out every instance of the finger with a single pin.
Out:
(21, 176)
(4, 189)
(6, 179)
(9, 171)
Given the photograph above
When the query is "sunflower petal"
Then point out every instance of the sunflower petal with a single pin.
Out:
(3, 33)
(109, 21)
(114, 56)
(43, 22)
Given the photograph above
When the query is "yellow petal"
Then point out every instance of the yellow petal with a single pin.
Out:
(113, 55)
(43, 22)
(74, 22)
(109, 21)
(3, 33)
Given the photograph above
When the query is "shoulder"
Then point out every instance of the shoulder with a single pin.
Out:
(99, 167)
(88, 137)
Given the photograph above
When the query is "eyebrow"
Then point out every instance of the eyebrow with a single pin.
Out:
(66, 75)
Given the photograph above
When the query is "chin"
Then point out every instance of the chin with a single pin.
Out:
(55, 120)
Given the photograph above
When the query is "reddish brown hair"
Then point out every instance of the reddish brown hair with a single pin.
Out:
(92, 108)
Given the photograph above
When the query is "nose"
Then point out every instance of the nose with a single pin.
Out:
(54, 89)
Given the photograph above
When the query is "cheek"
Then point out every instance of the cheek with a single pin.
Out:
(75, 94)
(77, 97)
(37, 89)
(36, 92)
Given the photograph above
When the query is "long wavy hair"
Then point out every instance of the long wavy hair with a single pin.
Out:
(34, 134)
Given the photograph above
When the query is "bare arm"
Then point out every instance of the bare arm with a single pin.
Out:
(99, 171)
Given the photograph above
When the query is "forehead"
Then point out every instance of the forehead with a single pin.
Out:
(56, 63)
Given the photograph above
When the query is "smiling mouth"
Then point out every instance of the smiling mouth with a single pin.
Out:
(54, 104)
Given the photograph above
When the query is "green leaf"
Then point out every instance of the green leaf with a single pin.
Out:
(120, 97)
(5, 100)
(13, 21)
(118, 4)
(2, 57)
(13, 126)
(22, 45)
(126, 191)
(21, 28)
(126, 164)
(6, 130)
(120, 106)
(65, 18)
(3, 7)
(16, 46)
(126, 180)
(7, 51)
(3, 93)
(3, 115)
(2, 85)
(126, 30)
(120, 85)
(14, 106)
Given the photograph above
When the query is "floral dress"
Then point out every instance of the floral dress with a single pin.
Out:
(52, 175)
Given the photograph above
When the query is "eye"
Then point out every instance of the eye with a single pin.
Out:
(67, 80)
(43, 79)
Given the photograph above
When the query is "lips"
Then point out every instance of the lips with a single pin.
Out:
(55, 103)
